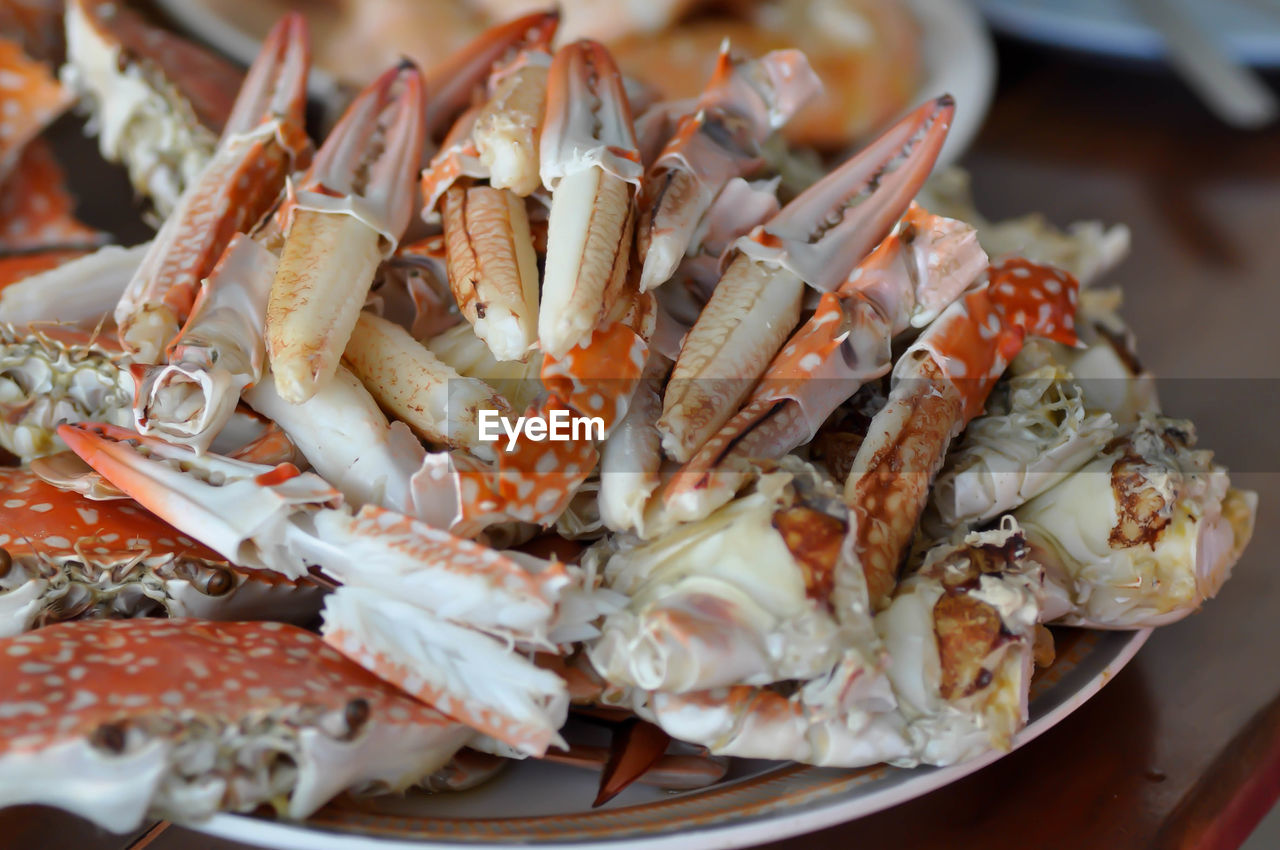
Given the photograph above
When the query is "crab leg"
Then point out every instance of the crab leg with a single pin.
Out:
(906, 281)
(756, 305)
(590, 162)
(941, 383)
(83, 290)
(440, 405)
(347, 216)
(744, 103)
(509, 126)
(262, 142)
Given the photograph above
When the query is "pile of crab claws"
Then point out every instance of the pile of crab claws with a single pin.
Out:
(828, 228)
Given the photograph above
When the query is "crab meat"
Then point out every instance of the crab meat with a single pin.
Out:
(262, 143)
(57, 374)
(66, 557)
(187, 717)
(590, 162)
(347, 216)
(817, 239)
(493, 269)
(1143, 533)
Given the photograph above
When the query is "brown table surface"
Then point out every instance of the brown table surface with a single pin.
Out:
(1183, 748)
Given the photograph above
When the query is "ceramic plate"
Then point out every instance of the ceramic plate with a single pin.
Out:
(547, 806)
(1249, 30)
(957, 52)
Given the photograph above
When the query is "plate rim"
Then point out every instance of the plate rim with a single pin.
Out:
(749, 830)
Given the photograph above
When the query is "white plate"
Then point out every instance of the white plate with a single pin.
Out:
(545, 806)
(1249, 30)
(958, 56)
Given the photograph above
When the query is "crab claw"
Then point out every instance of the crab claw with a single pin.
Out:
(453, 82)
(590, 161)
(816, 239)
(349, 214)
(905, 282)
(232, 507)
(263, 141)
(744, 103)
(36, 211)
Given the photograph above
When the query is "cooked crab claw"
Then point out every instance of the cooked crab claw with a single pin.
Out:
(590, 162)
(940, 383)
(186, 717)
(452, 84)
(744, 103)
(905, 282)
(816, 239)
(263, 141)
(345, 217)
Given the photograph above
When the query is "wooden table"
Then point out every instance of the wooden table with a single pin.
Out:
(1183, 749)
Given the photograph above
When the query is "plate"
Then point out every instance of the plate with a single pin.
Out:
(956, 47)
(546, 806)
(1249, 30)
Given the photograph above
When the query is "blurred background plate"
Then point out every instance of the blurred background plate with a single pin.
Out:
(955, 50)
(1249, 30)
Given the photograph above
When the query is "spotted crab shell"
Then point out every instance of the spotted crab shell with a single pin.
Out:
(64, 556)
(118, 720)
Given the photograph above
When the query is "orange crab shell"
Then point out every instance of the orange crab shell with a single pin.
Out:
(36, 212)
(32, 97)
(39, 519)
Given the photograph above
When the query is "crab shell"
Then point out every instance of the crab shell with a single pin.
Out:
(64, 557)
(115, 720)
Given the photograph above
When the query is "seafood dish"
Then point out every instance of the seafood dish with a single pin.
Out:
(299, 504)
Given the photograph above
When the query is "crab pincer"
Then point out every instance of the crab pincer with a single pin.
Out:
(345, 217)
(904, 283)
(941, 383)
(182, 718)
(262, 143)
(745, 102)
(590, 162)
(817, 239)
